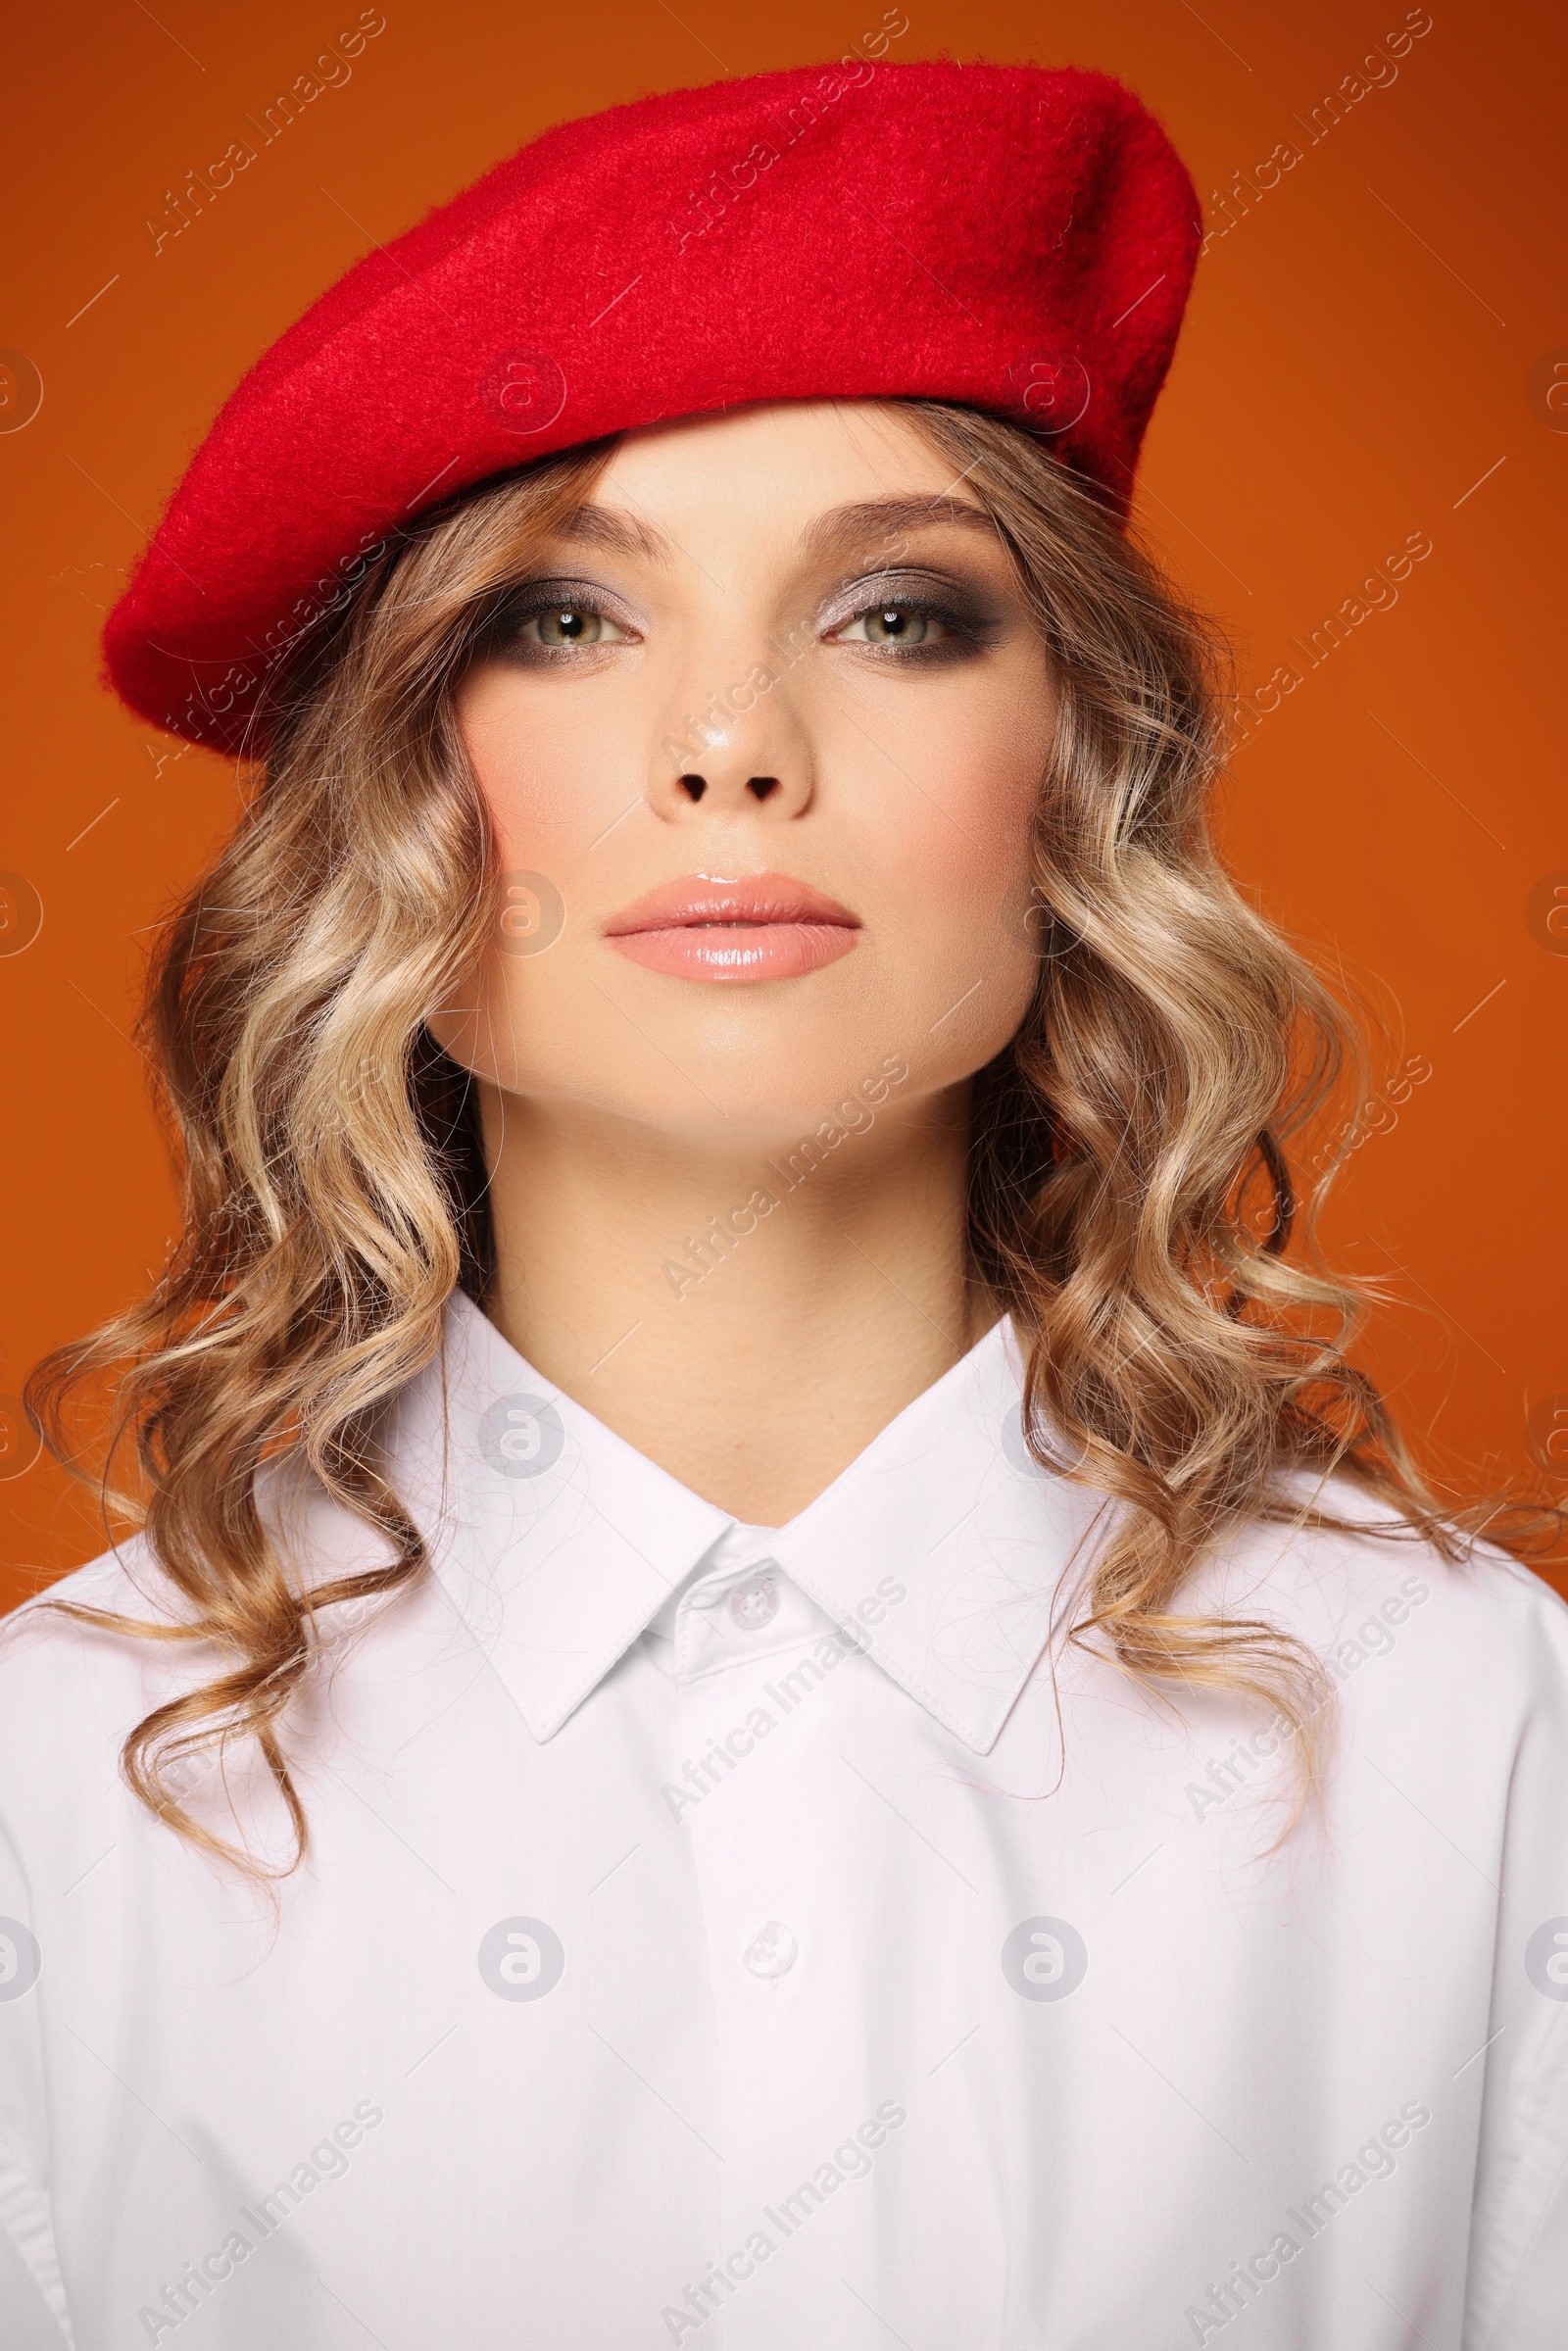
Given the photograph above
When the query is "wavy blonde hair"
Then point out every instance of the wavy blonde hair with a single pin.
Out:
(1129, 1201)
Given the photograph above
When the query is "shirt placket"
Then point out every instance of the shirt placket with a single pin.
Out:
(740, 1636)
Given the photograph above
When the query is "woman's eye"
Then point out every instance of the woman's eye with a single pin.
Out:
(892, 624)
(563, 625)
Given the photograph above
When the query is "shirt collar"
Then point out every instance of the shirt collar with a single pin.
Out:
(943, 1547)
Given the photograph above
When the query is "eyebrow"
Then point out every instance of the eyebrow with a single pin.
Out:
(619, 533)
(842, 530)
(846, 529)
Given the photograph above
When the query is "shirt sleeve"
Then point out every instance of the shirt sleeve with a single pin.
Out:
(1518, 2269)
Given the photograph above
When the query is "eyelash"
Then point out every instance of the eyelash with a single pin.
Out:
(965, 632)
(515, 618)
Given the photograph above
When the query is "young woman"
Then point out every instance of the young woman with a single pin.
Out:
(777, 1687)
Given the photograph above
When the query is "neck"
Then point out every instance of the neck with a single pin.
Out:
(748, 1317)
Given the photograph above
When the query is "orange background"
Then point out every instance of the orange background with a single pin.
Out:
(1368, 355)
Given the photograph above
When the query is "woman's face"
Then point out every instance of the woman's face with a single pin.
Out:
(761, 751)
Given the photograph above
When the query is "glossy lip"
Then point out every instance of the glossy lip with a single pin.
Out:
(760, 926)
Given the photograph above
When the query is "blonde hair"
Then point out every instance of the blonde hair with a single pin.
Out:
(1130, 1196)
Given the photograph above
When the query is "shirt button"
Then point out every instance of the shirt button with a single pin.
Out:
(771, 1950)
(753, 1602)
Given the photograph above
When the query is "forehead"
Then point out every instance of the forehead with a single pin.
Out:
(781, 455)
(827, 473)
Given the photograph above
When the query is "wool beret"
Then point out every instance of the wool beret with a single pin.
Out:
(1016, 239)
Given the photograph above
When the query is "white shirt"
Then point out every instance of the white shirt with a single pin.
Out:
(739, 1938)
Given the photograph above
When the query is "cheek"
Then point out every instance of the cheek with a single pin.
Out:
(977, 760)
(957, 866)
(550, 790)
(545, 783)
(924, 826)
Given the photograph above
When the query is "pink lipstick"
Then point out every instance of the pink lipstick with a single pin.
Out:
(766, 926)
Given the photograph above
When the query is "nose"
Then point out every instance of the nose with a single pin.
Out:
(754, 761)
(759, 786)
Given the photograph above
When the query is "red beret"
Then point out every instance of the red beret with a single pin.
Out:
(1016, 239)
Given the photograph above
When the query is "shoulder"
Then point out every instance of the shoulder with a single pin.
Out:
(1366, 1555)
(70, 1692)
(127, 1581)
(91, 1657)
(1474, 1645)
(61, 1674)
(49, 1646)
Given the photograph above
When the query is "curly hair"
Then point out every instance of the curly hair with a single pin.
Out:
(1130, 1198)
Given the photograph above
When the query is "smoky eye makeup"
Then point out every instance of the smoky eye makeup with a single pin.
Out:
(914, 614)
(551, 617)
(905, 616)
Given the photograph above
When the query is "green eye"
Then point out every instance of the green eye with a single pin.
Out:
(569, 624)
(538, 616)
(894, 625)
